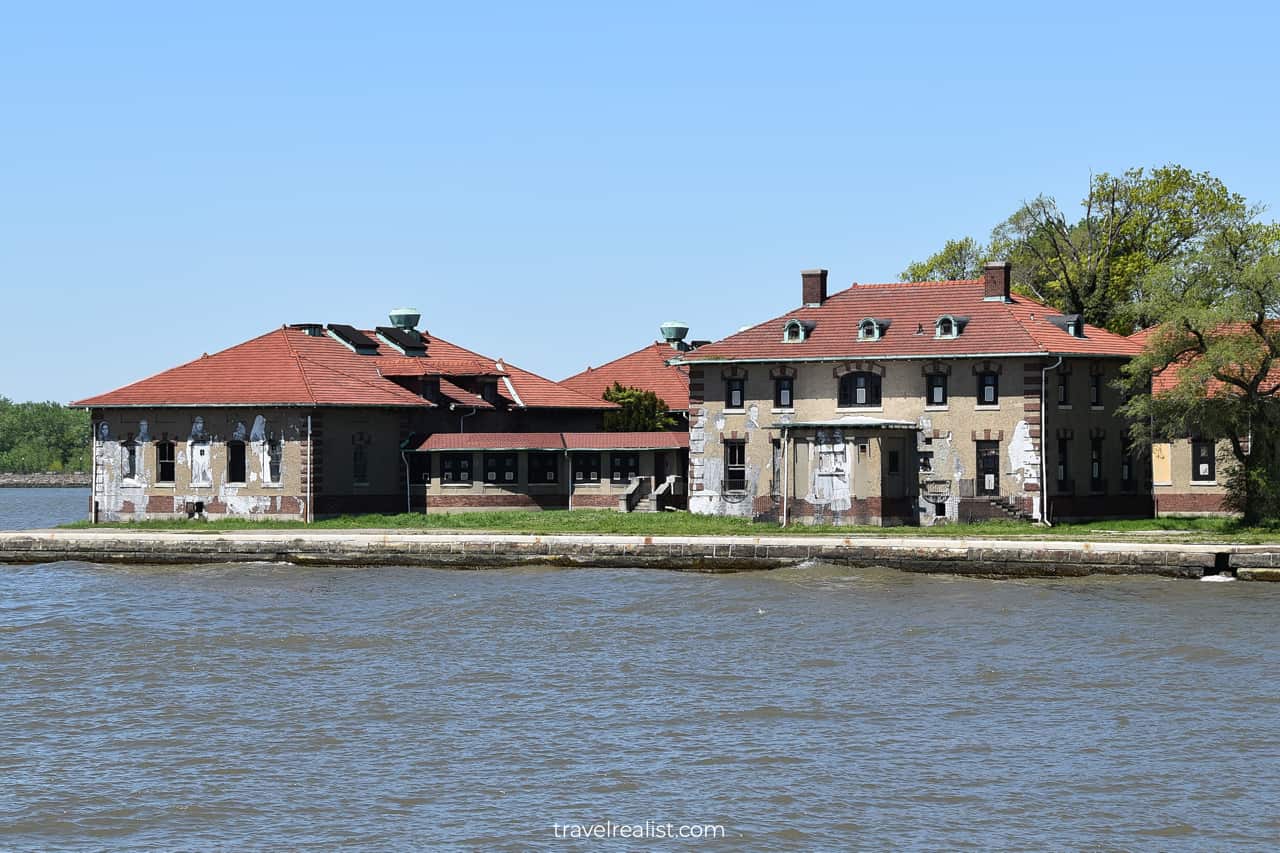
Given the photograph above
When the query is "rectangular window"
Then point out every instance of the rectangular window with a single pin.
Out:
(1064, 389)
(500, 468)
(895, 462)
(544, 468)
(1096, 482)
(586, 467)
(360, 464)
(1095, 389)
(623, 467)
(936, 389)
(165, 467)
(489, 391)
(235, 462)
(782, 391)
(735, 466)
(735, 391)
(431, 389)
(455, 468)
(926, 462)
(275, 455)
(858, 389)
(130, 460)
(939, 509)
(988, 389)
(1064, 480)
(1203, 461)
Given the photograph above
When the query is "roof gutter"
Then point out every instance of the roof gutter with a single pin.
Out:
(914, 357)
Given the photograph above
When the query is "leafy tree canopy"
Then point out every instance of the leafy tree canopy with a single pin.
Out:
(641, 411)
(1096, 263)
(39, 437)
(1215, 357)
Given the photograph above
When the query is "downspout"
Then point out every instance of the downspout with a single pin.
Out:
(93, 472)
(1044, 439)
(568, 464)
(408, 500)
(311, 467)
(462, 425)
(786, 467)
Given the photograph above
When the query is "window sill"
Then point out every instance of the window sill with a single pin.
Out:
(466, 485)
(733, 411)
(1097, 408)
(272, 485)
(938, 408)
(1064, 407)
(1204, 483)
(790, 411)
(243, 483)
(994, 408)
(1162, 485)
(164, 485)
(856, 409)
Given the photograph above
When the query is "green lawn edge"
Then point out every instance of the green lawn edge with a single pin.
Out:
(549, 522)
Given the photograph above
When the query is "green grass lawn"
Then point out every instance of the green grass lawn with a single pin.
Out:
(683, 523)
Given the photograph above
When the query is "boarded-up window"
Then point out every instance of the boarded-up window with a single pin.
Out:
(1161, 464)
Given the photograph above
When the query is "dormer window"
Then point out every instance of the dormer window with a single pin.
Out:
(794, 332)
(946, 327)
(1074, 328)
(870, 329)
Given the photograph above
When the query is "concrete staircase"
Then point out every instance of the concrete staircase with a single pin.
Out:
(1010, 509)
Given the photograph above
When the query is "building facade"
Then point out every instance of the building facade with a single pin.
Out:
(916, 403)
(312, 420)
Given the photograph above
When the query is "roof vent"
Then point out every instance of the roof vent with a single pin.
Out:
(673, 332)
(405, 318)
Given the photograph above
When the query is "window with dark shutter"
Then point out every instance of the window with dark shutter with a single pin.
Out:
(782, 392)
(859, 389)
(988, 389)
(936, 389)
(586, 467)
(500, 468)
(735, 392)
(544, 468)
(1203, 461)
(455, 468)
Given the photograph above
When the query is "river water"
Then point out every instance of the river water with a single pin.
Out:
(24, 508)
(809, 708)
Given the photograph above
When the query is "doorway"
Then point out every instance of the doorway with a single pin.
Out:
(988, 468)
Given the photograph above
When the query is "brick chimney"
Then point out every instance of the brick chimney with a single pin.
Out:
(813, 287)
(995, 281)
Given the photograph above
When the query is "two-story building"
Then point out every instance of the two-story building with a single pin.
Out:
(913, 403)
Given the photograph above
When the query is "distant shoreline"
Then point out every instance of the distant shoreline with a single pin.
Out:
(44, 481)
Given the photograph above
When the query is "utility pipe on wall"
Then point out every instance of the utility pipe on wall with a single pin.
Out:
(786, 478)
(1044, 437)
(310, 514)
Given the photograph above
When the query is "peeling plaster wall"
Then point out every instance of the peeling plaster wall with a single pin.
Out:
(200, 463)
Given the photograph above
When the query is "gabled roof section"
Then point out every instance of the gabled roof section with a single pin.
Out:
(289, 367)
(646, 368)
(909, 311)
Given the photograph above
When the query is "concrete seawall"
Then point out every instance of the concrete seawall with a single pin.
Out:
(958, 556)
(44, 481)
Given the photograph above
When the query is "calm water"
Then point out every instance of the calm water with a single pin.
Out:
(810, 708)
(24, 508)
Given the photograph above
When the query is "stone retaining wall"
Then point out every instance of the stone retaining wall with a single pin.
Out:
(978, 558)
(43, 481)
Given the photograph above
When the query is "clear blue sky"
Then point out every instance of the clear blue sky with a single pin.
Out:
(548, 182)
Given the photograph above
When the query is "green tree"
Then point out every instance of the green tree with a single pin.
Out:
(37, 437)
(1217, 349)
(1097, 264)
(641, 411)
(957, 259)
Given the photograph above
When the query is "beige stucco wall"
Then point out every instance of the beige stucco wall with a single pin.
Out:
(1178, 494)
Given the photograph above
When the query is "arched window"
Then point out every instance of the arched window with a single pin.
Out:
(859, 389)
(793, 332)
(946, 327)
(869, 330)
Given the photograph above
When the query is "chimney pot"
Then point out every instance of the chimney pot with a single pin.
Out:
(813, 287)
(995, 281)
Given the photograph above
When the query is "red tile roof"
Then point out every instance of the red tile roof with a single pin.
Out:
(1167, 379)
(1018, 327)
(626, 440)
(493, 441)
(555, 441)
(645, 368)
(288, 367)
